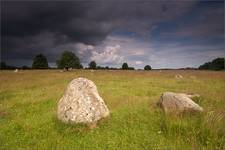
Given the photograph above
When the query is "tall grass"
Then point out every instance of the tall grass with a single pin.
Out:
(28, 105)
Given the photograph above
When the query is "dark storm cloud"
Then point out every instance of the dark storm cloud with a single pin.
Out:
(50, 27)
(206, 22)
(26, 18)
(86, 21)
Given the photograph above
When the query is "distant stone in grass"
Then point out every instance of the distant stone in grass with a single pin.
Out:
(177, 103)
(193, 77)
(81, 103)
(16, 70)
(178, 76)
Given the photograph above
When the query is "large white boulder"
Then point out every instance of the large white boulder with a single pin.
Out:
(178, 103)
(81, 103)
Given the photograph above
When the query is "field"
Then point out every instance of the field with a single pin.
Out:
(28, 105)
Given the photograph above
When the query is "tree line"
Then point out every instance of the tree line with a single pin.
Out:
(216, 64)
(70, 60)
(66, 61)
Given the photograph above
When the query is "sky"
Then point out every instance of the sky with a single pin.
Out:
(162, 34)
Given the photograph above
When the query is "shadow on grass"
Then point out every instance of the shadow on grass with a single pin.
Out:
(69, 128)
(78, 128)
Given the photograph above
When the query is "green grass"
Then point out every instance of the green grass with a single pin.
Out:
(28, 105)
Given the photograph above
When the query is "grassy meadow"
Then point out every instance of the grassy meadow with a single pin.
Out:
(28, 105)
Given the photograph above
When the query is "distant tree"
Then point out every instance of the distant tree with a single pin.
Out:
(40, 62)
(131, 68)
(216, 64)
(92, 65)
(25, 67)
(68, 60)
(3, 65)
(205, 66)
(99, 67)
(147, 67)
(125, 66)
